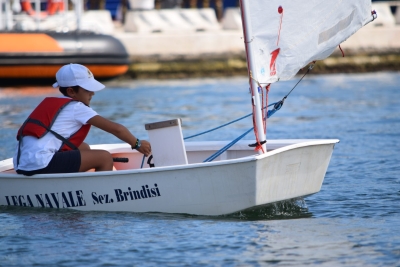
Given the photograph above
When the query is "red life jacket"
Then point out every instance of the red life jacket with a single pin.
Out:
(42, 118)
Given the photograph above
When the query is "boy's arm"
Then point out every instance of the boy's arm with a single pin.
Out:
(119, 131)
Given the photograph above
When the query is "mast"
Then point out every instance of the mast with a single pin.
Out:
(248, 37)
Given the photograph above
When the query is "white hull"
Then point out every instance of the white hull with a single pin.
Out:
(235, 181)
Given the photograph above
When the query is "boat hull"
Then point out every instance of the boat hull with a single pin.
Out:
(39, 55)
(214, 188)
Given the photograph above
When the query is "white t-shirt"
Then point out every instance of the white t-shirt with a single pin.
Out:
(37, 153)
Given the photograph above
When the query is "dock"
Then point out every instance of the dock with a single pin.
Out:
(175, 49)
(195, 42)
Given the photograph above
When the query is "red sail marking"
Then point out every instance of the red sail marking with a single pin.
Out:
(275, 53)
(272, 67)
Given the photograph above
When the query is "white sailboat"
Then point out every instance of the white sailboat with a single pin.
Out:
(281, 37)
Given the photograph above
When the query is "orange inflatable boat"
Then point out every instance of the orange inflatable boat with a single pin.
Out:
(39, 55)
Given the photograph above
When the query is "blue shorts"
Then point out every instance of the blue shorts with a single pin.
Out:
(62, 162)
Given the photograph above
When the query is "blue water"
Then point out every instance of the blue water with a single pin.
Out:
(353, 221)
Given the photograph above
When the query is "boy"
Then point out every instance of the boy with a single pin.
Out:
(51, 139)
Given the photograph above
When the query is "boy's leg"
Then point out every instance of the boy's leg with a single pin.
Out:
(100, 160)
(84, 146)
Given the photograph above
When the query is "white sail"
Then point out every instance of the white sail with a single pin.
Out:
(289, 34)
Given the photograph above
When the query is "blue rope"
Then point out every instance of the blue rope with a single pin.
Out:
(141, 166)
(226, 124)
(277, 106)
(222, 150)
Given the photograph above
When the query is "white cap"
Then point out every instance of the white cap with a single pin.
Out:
(76, 74)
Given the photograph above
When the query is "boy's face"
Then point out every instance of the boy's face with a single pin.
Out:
(82, 95)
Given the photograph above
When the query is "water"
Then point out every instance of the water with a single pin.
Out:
(353, 221)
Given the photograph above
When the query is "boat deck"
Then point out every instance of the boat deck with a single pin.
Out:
(196, 153)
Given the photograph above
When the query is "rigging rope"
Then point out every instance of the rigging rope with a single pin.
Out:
(266, 115)
(341, 50)
(226, 124)
(266, 111)
(222, 150)
(277, 106)
(225, 148)
(308, 70)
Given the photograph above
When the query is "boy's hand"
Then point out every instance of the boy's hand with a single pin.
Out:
(145, 148)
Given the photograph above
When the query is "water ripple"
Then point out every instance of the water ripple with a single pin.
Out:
(353, 221)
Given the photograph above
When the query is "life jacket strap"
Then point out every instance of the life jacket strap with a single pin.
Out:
(64, 140)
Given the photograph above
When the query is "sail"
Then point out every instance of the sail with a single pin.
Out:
(289, 34)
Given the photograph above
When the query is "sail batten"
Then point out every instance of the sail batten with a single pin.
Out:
(289, 34)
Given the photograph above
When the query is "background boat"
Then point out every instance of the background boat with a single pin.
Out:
(196, 42)
(38, 55)
(34, 46)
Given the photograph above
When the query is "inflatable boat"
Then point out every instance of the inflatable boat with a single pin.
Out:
(38, 55)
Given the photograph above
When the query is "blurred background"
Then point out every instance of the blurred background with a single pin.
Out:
(161, 39)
